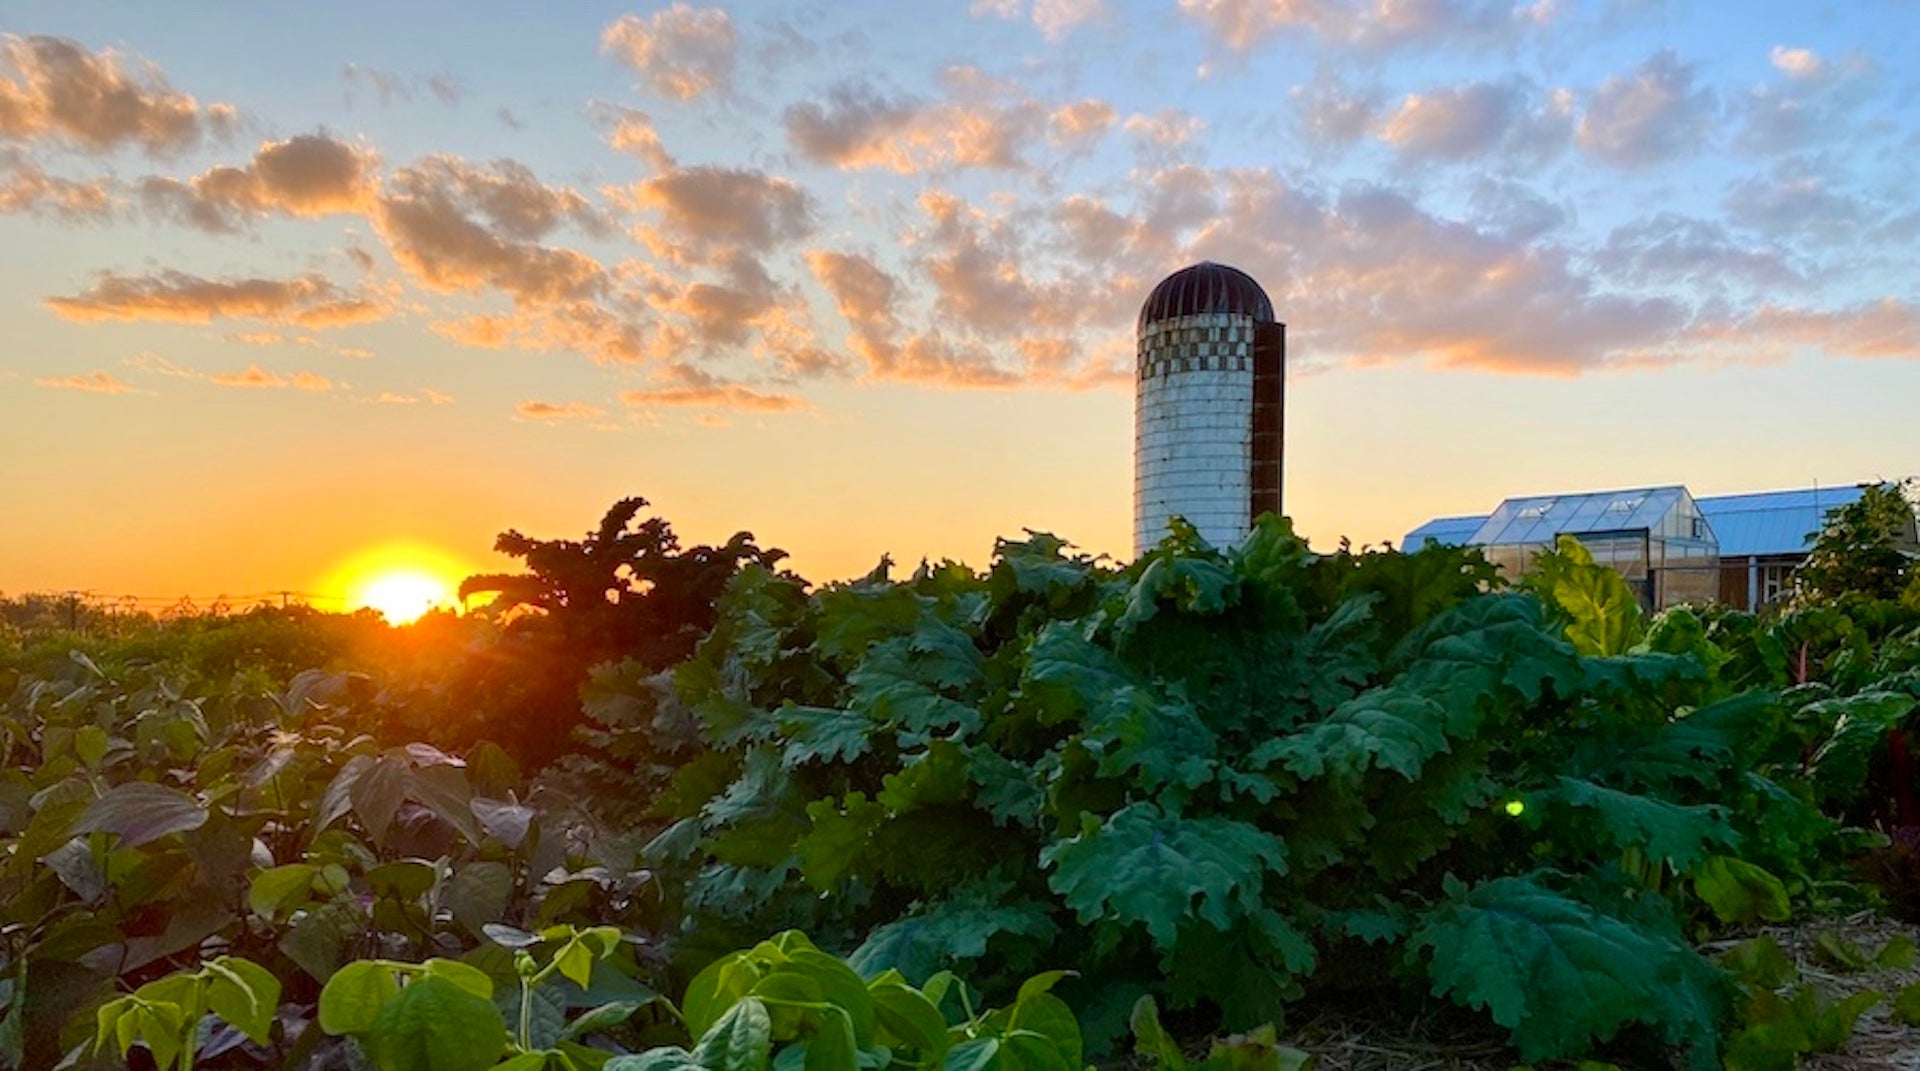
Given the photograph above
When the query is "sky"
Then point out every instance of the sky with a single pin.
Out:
(286, 284)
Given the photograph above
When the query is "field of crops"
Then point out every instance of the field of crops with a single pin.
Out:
(1053, 814)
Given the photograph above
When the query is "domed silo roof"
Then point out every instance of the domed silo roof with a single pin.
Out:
(1203, 288)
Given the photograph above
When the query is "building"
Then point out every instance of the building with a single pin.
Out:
(1740, 550)
(1209, 402)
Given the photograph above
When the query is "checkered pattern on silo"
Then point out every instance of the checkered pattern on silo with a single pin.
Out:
(1193, 427)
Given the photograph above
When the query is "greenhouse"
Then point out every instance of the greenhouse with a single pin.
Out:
(1655, 536)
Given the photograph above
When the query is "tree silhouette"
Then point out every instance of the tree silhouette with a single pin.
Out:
(627, 590)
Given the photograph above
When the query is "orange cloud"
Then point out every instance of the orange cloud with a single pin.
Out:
(92, 383)
(1367, 25)
(989, 127)
(1080, 122)
(456, 227)
(256, 377)
(723, 396)
(631, 131)
(310, 175)
(706, 210)
(558, 412)
(26, 188)
(52, 87)
(682, 385)
(682, 52)
(176, 297)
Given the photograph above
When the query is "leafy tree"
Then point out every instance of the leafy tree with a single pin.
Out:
(1866, 548)
(626, 591)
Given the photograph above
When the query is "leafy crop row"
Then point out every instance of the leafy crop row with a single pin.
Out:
(1215, 783)
(1232, 780)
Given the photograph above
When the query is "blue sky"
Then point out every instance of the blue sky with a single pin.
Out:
(284, 283)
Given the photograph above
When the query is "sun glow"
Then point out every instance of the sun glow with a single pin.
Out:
(401, 582)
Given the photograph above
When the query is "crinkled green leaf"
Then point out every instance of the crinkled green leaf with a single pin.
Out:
(1561, 975)
(1384, 729)
(822, 734)
(1663, 830)
(1145, 866)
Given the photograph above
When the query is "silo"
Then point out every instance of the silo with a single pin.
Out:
(1209, 398)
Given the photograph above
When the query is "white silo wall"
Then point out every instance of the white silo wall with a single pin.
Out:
(1193, 428)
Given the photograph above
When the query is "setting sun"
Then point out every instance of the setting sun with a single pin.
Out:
(401, 582)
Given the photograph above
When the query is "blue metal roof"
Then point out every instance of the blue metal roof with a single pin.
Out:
(1772, 522)
(1454, 531)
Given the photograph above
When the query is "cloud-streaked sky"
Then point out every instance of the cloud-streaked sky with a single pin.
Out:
(283, 283)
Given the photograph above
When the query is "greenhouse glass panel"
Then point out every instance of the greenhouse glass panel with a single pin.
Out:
(1655, 537)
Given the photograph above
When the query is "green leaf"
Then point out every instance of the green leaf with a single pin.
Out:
(1151, 1040)
(159, 1025)
(1760, 962)
(478, 894)
(978, 1054)
(575, 962)
(904, 1016)
(1604, 616)
(351, 1000)
(823, 734)
(1739, 892)
(90, 743)
(377, 795)
(1047, 1017)
(955, 929)
(1192, 584)
(1665, 831)
(503, 820)
(664, 1058)
(1834, 1024)
(1836, 951)
(319, 940)
(1161, 870)
(1898, 954)
(840, 836)
(716, 988)
(402, 879)
(1561, 975)
(604, 1017)
(435, 1025)
(245, 994)
(141, 812)
(832, 1047)
(742, 1040)
(1384, 728)
(464, 975)
(839, 985)
(1906, 1005)
(278, 890)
